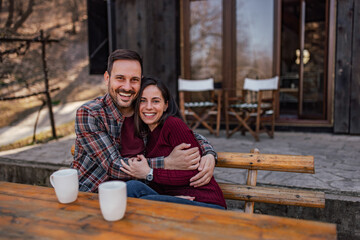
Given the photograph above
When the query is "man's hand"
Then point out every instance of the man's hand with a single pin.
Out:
(183, 158)
(206, 171)
(138, 167)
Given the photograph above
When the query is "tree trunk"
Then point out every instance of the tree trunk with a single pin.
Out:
(74, 15)
(23, 18)
(9, 20)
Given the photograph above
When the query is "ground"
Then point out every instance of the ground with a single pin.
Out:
(67, 63)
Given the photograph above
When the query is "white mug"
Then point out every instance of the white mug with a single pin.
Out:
(112, 198)
(66, 185)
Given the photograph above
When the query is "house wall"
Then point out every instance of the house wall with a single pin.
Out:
(152, 29)
(347, 68)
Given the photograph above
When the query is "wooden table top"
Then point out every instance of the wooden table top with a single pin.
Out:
(33, 212)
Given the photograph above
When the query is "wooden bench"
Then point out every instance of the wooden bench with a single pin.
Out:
(250, 193)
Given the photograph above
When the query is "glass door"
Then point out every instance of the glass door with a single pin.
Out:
(294, 39)
(206, 40)
(303, 59)
(254, 40)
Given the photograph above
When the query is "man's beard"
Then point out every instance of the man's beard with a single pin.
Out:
(114, 94)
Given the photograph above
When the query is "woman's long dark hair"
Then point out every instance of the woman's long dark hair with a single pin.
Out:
(142, 129)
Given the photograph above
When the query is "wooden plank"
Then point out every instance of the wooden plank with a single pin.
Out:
(355, 75)
(331, 47)
(185, 39)
(151, 28)
(229, 44)
(343, 66)
(162, 46)
(251, 181)
(283, 196)
(128, 26)
(29, 212)
(270, 162)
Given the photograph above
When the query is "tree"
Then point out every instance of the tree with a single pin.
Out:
(73, 7)
(18, 12)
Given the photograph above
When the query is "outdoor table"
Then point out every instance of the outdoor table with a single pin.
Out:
(33, 212)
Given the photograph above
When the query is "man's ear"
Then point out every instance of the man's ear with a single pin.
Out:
(106, 78)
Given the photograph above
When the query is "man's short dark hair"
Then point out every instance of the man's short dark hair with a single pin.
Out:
(123, 54)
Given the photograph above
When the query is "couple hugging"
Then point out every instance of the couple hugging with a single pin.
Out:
(136, 131)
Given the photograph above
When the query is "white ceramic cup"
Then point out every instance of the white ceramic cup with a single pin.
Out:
(112, 198)
(66, 185)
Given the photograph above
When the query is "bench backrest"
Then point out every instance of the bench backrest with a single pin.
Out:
(269, 162)
(254, 161)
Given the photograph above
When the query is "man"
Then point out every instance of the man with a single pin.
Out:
(98, 131)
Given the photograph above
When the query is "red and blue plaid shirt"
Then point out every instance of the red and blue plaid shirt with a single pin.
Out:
(98, 144)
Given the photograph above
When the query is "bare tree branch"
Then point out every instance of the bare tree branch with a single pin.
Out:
(24, 16)
(9, 20)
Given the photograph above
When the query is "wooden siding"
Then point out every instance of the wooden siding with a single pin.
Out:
(347, 73)
(152, 29)
(355, 76)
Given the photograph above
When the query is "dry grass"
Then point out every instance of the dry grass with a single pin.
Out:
(43, 137)
(13, 111)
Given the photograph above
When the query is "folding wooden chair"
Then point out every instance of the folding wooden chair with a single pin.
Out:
(253, 108)
(200, 111)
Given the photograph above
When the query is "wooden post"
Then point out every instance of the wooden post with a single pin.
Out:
(47, 92)
(251, 180)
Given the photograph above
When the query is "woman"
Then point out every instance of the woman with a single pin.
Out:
(158, 118)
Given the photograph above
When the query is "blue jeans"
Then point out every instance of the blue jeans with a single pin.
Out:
(137, 189)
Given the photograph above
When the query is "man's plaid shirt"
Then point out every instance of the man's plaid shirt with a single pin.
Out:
(97, 145)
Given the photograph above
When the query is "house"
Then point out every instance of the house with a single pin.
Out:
(312, 45)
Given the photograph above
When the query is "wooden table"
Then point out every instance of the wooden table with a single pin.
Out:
(33, 212)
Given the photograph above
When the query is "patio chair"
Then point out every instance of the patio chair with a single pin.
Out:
(254, 108)
(200, 103)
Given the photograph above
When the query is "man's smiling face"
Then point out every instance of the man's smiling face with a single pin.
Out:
(124, 83)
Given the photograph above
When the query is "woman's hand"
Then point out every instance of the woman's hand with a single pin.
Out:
(138, 167)
(206, 171)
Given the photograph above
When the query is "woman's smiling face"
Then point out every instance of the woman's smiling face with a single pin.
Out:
(152, 106)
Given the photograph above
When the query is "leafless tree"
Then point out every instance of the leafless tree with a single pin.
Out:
(73, 8)
(18, 13)
(1, 4)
